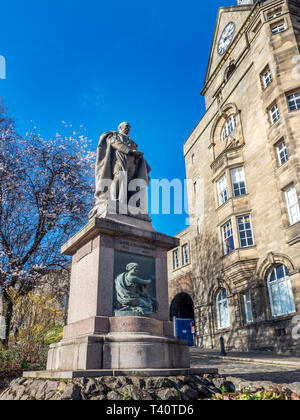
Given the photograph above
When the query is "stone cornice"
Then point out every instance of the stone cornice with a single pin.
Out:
(229, 149)
(109, 227)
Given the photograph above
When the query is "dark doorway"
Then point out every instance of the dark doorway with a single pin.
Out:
(182, 307)
(182, 315)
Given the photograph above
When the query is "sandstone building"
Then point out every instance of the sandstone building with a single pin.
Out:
(237, 271)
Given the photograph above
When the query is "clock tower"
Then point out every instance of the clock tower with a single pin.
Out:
(227, 34)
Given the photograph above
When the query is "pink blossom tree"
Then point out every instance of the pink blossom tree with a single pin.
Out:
(46, 193)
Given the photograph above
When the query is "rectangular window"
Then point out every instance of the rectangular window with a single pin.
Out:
(275, 13)
(278, 27)
(294, 101)
(223, 310)
(228, 240)
(222, 190)
(238, 182)
(282, 153)
(266, 78)
(185, 254)
(248, 307)
(257, 27)
(274, 114)
(245, 231)
(292, 204)
(195, 187)
(176, 260)
(199, 226)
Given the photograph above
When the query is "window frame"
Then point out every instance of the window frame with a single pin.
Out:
(185, 261)
(229, 126)
(199, 225)
(223, 194)
(176, 261)
(274, 13)
(238, 183)
(290, 206)
(226, 249)
(221, 300)
(266, 80)
(278, 282)
(195, 188)
(285, 158)
(279, 24)
(248, 311)
(245, 230)
(296, 101)
(274, 110)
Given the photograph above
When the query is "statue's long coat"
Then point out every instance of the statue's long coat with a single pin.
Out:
(105, 160)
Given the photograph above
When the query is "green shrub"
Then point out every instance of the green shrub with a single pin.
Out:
(30, 351)
(10, 360)
(261, 395)
(54, 335)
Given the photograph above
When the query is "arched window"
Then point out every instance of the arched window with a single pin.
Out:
(229, 127)
(222, 309)
(280, 291)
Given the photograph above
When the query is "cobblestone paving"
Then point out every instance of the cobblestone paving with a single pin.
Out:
(252, 372)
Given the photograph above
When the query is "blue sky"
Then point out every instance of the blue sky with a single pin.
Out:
(98, 63)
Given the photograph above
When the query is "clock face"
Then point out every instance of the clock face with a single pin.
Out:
(226, 38)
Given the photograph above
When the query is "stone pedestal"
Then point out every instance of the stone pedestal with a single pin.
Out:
(95, 339)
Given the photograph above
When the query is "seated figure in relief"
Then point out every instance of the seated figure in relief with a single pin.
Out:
(131, 298)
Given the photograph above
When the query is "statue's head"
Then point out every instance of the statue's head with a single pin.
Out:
(133, 267)
(124, 128)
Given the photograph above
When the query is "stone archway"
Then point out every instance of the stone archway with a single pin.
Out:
(182, 315)
(182, 306)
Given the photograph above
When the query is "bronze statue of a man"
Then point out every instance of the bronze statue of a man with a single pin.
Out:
(118, 163)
